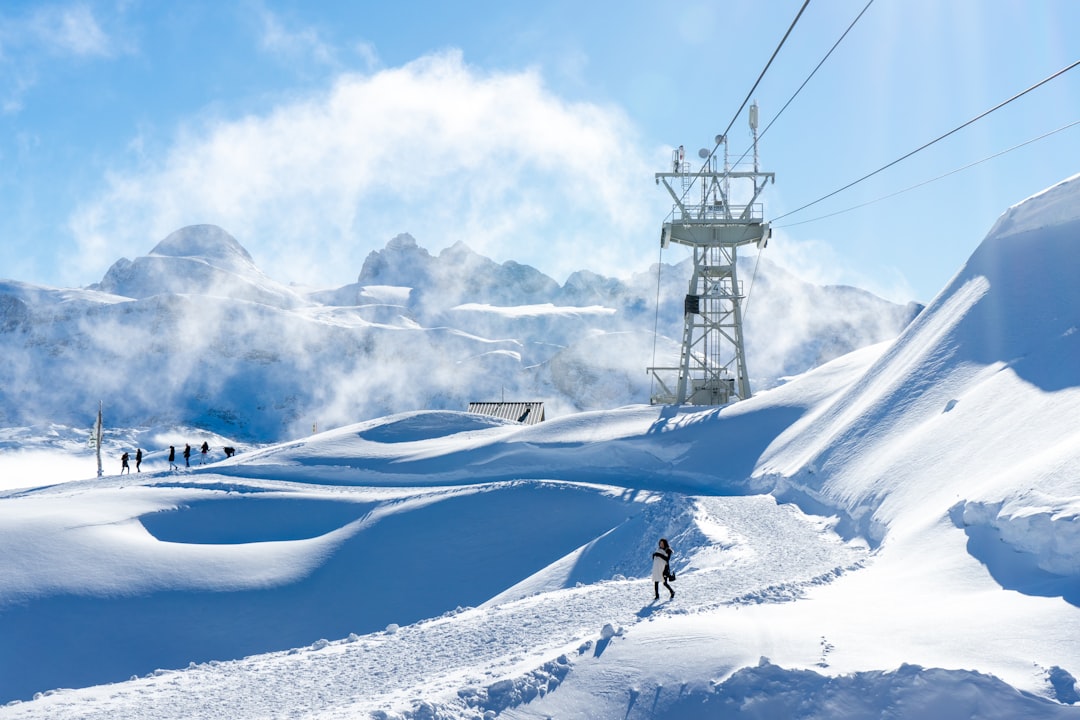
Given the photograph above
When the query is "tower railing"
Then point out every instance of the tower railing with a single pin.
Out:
(718, 212)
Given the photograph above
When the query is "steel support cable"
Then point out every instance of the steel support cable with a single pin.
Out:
(935, 179)
(656, 319)
(776, 117)
(978, 117)
(763, 71)
(907, 189)
(753, 277)
(748, 96)
(807, 80)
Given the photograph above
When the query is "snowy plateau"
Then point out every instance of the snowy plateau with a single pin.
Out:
(887, 529)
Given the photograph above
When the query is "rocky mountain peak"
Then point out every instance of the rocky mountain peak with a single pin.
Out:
(208, 242)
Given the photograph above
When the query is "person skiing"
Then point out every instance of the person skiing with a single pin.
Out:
(187, 455)
(660, 569)
(172, 457)
(124, 464)
(138, 461)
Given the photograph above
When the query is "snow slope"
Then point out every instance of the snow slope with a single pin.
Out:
(892, 534)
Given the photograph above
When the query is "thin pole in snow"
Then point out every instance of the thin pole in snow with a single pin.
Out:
(97, 438)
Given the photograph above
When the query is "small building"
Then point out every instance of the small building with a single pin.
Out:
(526, 413)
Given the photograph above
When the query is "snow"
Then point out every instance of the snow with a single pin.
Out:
(892, 534)
(545, 309)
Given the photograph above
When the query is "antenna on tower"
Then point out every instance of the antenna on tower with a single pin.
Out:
(753, 130)
(712, 366)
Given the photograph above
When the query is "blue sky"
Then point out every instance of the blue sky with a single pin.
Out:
(315, 132)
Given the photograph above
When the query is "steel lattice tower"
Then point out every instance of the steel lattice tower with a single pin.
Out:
(712, 369)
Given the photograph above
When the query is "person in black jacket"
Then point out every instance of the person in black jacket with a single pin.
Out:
(661, 571)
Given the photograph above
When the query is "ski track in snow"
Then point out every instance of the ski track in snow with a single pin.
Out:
(776, 553)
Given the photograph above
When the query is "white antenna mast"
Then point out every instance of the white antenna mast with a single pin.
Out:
(753, 130)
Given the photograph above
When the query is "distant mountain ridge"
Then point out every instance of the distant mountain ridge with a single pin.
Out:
(197, 260)
(195, 333)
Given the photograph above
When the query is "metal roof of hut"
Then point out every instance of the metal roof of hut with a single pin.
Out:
(526, 413)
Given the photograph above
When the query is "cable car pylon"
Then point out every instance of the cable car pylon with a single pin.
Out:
(723, 216)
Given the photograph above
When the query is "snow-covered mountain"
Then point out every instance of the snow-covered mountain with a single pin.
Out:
(194, 334)
(893, 534)
(197, 260)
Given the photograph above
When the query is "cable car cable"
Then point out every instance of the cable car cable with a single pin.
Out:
(762, 75)
(738, 112)
(656, 319)
(757, 262)
(807, 80)
(939, 177)
(932, 142)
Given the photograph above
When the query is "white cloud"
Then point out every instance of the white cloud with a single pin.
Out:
(817, 261)
(434, 148)
(50, 31)
(813, 260)
(19, 80)
(368, 53)
(73, 30)
(306, 43)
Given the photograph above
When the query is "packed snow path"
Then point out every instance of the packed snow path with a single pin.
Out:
(735, 550)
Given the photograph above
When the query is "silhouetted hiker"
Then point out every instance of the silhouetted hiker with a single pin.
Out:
(138, 461)
(660, 568)
(124, 464)
(205, 449)
(187, 455)
(172, 457)
(229, 451)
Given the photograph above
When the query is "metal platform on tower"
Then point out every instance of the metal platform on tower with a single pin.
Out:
(716, 212)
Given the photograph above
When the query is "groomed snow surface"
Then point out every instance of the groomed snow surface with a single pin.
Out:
(891, 535)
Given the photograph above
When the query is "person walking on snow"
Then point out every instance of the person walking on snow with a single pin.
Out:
(172, 457)
(660, 569)
(187, 455)
(138, 461)
(124, 464)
